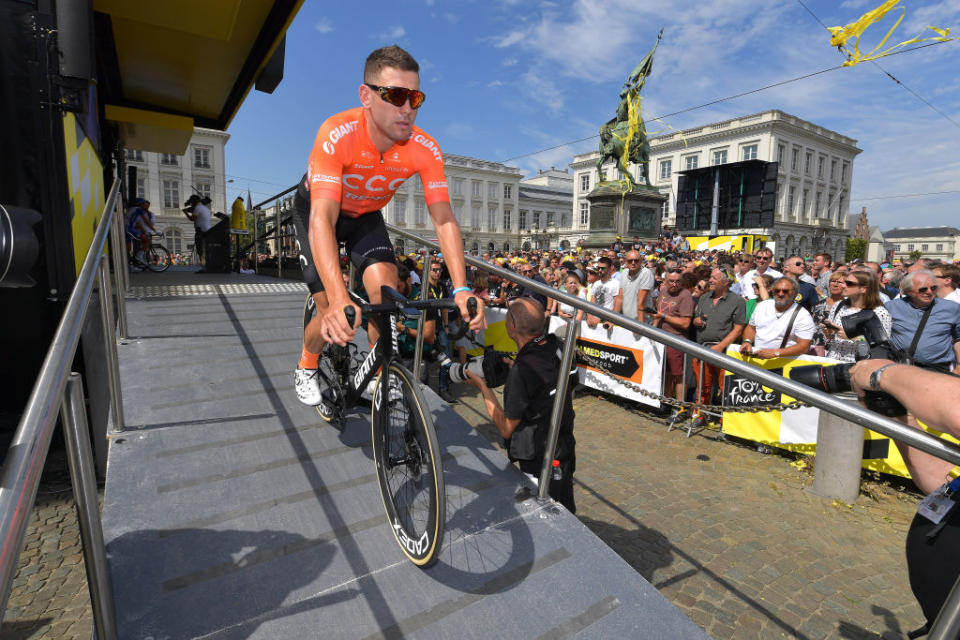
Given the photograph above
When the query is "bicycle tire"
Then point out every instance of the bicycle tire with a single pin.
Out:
(158, 258)
(409, 470)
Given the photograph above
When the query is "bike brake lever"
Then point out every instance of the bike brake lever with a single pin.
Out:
(465, 326)
(350, 313)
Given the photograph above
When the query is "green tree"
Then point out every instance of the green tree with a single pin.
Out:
(856, 249)
(916, 254)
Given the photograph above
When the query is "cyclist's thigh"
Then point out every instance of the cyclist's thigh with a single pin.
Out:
(301, 217)
(367, 240)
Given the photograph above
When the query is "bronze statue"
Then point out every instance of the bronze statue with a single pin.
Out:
(617, 141)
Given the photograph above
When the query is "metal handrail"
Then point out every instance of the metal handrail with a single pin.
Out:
(28, 450)
(844, 409)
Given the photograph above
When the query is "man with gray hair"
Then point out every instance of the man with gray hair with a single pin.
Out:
(925, 329)
(636, 281)
(778, 327)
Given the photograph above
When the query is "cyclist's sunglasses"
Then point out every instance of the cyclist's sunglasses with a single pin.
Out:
(397, 96)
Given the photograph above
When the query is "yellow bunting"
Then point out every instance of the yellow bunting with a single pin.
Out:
(841, 35)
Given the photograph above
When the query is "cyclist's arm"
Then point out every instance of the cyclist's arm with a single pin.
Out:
(326, 257)
(451, 245)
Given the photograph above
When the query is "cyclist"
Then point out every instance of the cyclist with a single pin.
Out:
(140, 227)
(359, 159)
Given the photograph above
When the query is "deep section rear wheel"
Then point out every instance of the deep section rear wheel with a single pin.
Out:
(158, 258)
(409, 470)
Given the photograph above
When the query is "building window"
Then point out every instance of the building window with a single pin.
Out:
(816, 205)
(475, 216)
(584, 182)
(750, 152)
(584, 214)
(506, 220)
(420, 212)
(833, 170)
(843, 174)
(168, 159)
(136, 156)
(204, 189)
(476, 188)
(141, 186)
(493, 189)
(458, 213)
(171, 194)
(807, 162)
(566, 219)
(417, 184)
(173, 238)
(720, 157)
(551, 219)
(924, 247)
(939, 246)
(458, 186)
(803, 203)
(791, 199)
(909, 247)
(821, 162)
(692, 162)
(665, 209)
(400, 210)
(523, 219)
(536, 220)
(666, 169)
(492, 218)
(795, 160)
(507, 191)
(201, 157)
(839, 208)
(781, 149)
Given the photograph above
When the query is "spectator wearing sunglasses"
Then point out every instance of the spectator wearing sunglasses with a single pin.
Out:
(938, 345)
(763, 258)
(359, 159)
(778, 327)
(948, 281)
(807, 295)
(636, 282)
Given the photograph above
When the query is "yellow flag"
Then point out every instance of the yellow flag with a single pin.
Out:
(852, 32)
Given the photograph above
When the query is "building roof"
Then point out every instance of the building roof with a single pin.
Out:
(921, 232)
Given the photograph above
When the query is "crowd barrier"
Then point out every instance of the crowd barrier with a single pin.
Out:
(640, 362)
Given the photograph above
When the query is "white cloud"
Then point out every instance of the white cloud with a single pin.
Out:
(324, 26)
(393, 33)
(495, 83)
(854, 4)
(509, 62)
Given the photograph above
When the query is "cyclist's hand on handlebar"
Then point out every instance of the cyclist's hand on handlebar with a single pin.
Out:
(334, 324)
(478, 321)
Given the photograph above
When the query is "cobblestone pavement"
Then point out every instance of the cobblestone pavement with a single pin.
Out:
(49, 598)
(731, 536)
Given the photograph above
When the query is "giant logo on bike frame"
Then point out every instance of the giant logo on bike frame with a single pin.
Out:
(620, 361)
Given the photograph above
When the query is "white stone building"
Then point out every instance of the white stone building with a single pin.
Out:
(813, 187)
(168, 180)
(935, 243)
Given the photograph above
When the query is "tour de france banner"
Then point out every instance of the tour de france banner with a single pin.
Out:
(794, 429)
(637, 361)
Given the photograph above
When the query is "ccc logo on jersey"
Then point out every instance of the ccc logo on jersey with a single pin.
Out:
(355, 181)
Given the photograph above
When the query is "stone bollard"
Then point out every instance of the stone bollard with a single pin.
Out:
(839, 454)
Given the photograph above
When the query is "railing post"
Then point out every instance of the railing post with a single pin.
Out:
(276, 235)
(118, 251)
(110, 346)
(424, 294)
(836, 472)
(556, 413)
(83, 479)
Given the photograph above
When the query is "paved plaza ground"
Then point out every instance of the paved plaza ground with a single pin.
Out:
(728, 534)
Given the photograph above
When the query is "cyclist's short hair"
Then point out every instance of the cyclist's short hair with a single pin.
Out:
(392, 56)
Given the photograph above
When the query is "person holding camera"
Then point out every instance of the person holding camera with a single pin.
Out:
(523, 421)
(861, 292)
(933, 540)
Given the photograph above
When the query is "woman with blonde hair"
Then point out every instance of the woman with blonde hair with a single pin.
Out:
(861, 292)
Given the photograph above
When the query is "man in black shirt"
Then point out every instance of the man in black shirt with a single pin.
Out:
(524, 419)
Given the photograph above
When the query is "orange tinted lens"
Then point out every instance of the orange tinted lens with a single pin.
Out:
(397, 96)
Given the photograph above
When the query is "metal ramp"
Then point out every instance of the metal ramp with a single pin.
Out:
(232, 511)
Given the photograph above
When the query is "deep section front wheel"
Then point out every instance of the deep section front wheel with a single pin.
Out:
(409, 470)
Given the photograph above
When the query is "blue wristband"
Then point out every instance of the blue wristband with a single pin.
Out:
(459, 289)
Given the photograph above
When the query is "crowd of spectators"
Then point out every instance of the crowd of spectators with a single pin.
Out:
(721, 297)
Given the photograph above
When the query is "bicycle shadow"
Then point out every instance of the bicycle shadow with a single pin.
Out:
(196, 582)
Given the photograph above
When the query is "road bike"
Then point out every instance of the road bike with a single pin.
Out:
(405, 449)
(156, 258)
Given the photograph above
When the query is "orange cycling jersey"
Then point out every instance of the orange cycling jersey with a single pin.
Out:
(346, 166)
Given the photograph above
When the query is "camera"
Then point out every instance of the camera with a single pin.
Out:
(490, 366)
(836, 378)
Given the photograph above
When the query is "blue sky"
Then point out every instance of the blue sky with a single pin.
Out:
(505, 78)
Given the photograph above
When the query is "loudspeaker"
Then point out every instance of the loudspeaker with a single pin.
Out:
(747, 196)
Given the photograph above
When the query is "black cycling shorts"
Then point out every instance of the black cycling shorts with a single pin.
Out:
(365, 237)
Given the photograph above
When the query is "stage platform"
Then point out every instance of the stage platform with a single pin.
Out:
(233, 511)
